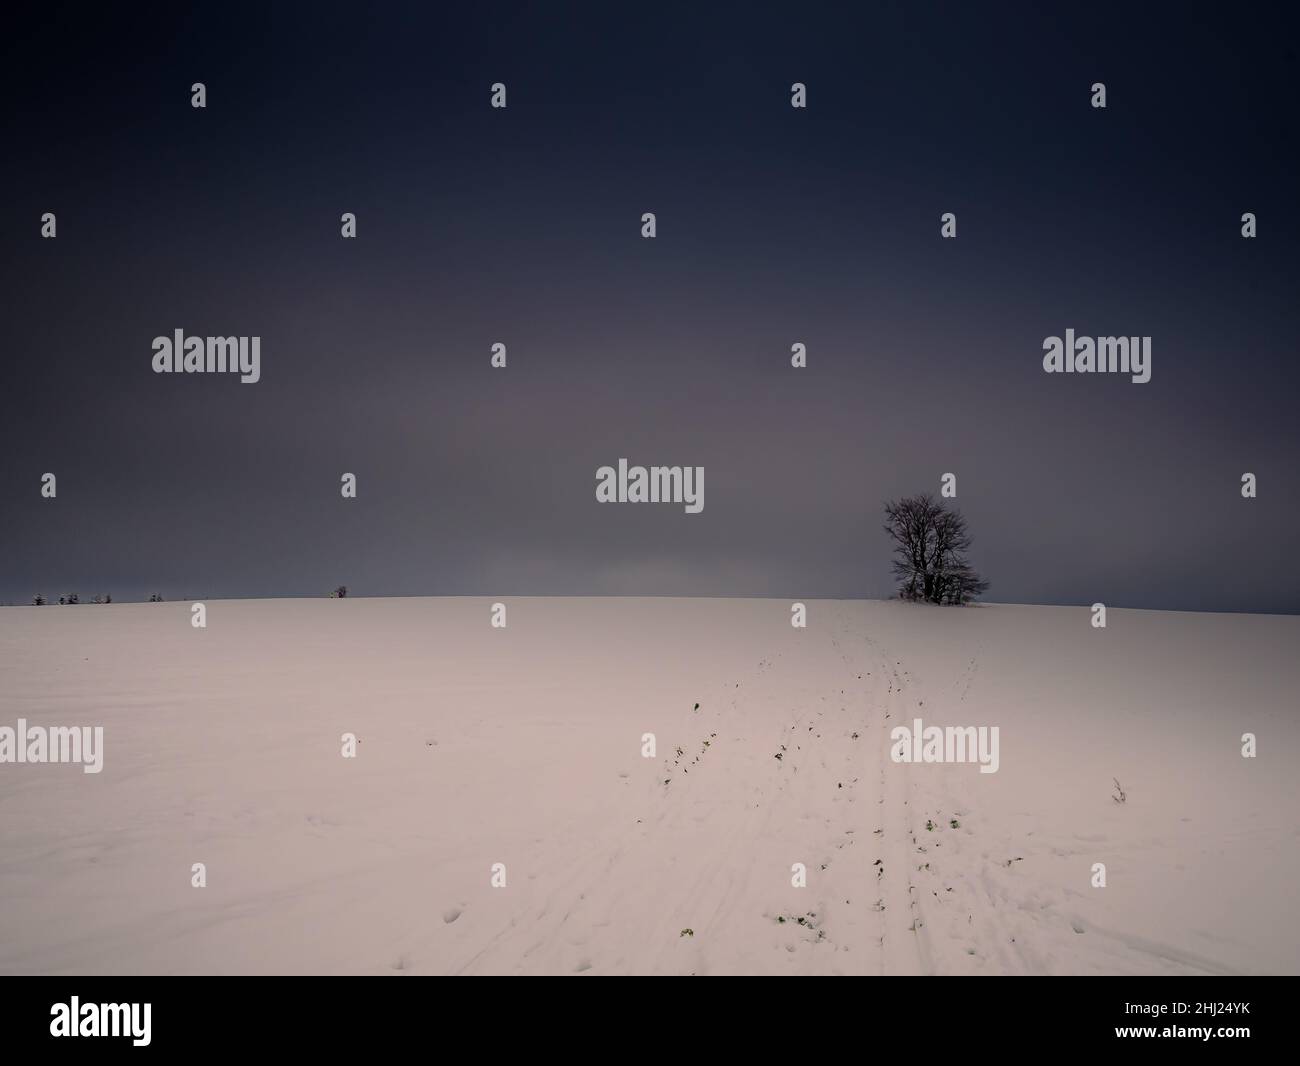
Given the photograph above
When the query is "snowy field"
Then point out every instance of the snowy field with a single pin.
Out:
(523, 746)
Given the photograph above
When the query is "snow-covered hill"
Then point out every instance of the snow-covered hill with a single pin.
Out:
(523, 747)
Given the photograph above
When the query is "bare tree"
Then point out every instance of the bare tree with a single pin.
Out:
(930, 545)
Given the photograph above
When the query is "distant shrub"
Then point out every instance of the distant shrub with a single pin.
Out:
(73, 598)
(339, 593)
(155, 598)
(38, 600)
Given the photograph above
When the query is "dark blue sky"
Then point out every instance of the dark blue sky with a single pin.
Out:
(523, 226)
